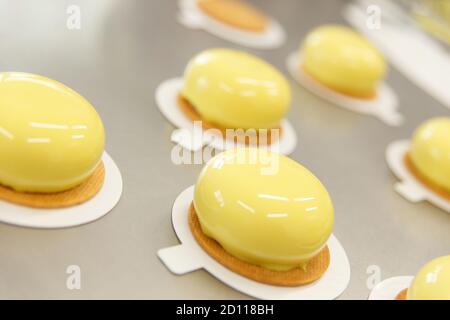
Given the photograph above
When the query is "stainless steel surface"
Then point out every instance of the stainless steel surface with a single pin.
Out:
(122, 52)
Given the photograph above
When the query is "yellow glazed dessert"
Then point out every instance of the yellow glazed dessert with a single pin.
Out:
(233, 89)
(235, 13)
(51, 138)
(430, 152)
(277, 219)
(342, 60)
(432, 282)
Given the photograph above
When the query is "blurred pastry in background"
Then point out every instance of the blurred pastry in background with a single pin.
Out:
(344, 61)
(51, 142)
(432, 282)
(429, 156)
(235, 13)
(434, 17)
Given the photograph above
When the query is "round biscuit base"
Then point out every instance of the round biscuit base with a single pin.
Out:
(69, 198)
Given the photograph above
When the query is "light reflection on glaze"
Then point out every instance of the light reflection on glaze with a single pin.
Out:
(277, 221)
(432, 282)
(51, 138)
(236, 90)
(430, 151)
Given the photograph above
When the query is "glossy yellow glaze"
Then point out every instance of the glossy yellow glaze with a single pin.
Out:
(430, 151)
(343, 60)
(277, 218)
(432, 282)
(435, 18)
(51, 138)
(234, 89)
